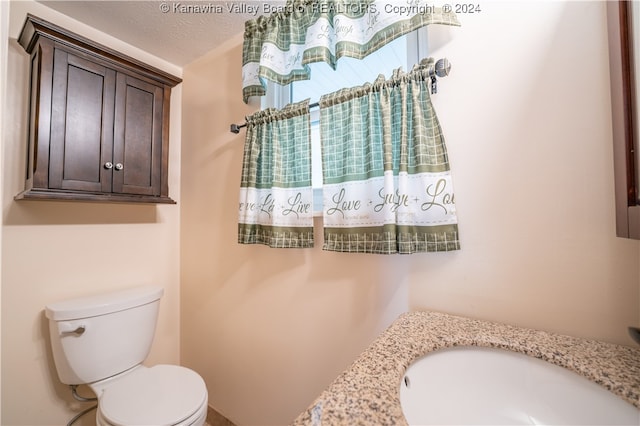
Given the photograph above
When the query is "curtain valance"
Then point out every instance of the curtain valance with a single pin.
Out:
(279, 46)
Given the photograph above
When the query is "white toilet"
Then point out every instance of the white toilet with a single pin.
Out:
(101, 341)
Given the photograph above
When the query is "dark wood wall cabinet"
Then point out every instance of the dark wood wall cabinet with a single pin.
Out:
(98, 121)
(625, 114)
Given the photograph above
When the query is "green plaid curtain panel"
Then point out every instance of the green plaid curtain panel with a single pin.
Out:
(278, 46)
(387, 185)
(276, 197)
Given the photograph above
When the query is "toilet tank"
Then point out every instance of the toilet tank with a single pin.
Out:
(96, 337)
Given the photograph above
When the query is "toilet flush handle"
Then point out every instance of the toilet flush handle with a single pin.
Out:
(69, 328)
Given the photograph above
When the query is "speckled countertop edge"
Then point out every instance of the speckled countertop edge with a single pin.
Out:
(368, 392)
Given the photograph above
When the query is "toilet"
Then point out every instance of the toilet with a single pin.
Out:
(102, 340)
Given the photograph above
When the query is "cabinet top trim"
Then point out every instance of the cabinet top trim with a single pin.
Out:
(35, 27)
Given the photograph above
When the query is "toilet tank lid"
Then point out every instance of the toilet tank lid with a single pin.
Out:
(104, 303)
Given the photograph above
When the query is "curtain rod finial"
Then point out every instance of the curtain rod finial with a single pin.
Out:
(442, 67)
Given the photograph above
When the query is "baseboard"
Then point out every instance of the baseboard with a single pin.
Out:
(216, 419)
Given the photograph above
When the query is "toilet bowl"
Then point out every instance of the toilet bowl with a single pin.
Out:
(158, 395)
(102, 340)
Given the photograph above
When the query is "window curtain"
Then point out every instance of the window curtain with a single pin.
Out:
(387, 184)
(275, 191)
(279, 46)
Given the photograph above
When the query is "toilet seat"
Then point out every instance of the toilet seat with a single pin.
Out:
(161, 395)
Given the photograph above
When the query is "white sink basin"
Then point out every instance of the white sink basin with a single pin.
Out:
(473, 385)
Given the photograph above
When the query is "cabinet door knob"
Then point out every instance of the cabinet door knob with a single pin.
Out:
(119, 166)
(108, 165)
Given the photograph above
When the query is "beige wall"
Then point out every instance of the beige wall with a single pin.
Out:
(55, 250)
(526, 114)
(268, 329)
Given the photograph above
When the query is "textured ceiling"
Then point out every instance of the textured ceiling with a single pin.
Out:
(176, 31)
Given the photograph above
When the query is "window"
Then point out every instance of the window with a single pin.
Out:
(403, 52)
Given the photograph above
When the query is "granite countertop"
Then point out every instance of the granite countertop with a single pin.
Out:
(368, 392)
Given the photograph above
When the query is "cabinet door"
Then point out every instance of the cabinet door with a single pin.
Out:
(81, 124)
(137, 151)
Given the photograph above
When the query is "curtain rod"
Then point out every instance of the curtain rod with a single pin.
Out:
(235, 128)
(440, 69)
